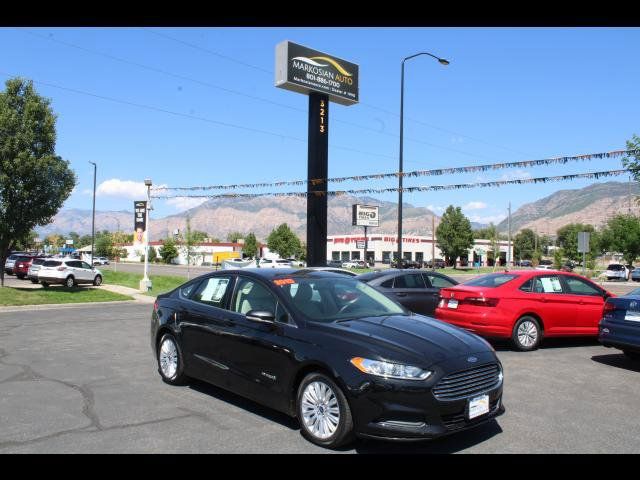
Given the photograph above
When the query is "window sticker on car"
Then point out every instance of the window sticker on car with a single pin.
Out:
(214, 291)
(551, 284)
(284, 281)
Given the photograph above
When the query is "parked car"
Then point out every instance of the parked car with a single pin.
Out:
(10, 262)
(620, 324)
(525, 306)
(271, 263)
(417, 291)
(351, 264)
(406, 264)
(334, 263)
(635, 274)
(524, 263)
(342, 271)
(544, 267)
(440, 263)
(617, 271)
(21, 266)
(329, 350)
(32, 273)
(101, 261)
(69, 272)
(297, 263)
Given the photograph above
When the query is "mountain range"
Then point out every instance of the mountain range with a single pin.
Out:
(218, 217)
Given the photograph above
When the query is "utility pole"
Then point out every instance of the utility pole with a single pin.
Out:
(93, 218)
(509, 260)
(145, 283)
(433, 242)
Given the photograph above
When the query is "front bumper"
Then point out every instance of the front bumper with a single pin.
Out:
(408, 410)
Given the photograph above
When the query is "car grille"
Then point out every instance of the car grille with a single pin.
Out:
(467, 382)
(459, 420)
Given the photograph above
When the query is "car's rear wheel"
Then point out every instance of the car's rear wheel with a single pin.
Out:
(526, 334)
(45, 284)
(97, 281)
(33, 280)
(170, 363)
(632, 355)
(323, 412)
(69, 282)
(21, 277)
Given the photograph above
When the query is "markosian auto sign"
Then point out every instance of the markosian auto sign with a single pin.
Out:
(304, 70)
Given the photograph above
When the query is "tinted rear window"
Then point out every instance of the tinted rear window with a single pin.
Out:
(23, 259)
(51, 263)
(38, 261)
(492, 280)
(615, 267)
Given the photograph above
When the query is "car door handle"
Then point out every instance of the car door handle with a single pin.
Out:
(401, 294)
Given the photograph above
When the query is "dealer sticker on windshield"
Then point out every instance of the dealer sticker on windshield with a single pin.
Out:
(453, 303)
(478, 406)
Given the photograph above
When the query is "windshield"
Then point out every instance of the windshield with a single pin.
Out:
(491, 280)
(330, 299)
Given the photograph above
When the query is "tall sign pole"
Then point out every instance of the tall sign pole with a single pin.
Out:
(317, 168)
(433, 242)
(323, 78)
(509, 242)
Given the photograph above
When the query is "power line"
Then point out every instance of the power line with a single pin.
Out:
(270, 72)
(195, 117)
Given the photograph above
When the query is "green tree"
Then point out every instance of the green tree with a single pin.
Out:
(633, 163)
(34, 181)
(454, 236)
(168, 250)
(284, 242)
(622, 235)
(524, 244)
(568, 240)
(557, 259)
(153, 256)
(250, 245)
(103, 246)
(488, 232)
(27, 242)
(199, 236)
(233, 237)
(188, 241)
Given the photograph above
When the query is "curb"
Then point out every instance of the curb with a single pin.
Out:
(49, 306)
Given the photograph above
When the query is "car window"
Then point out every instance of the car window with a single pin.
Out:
(85, 265)
(439, 282)
(212, 291)
(577, 286)
(527, 286)
(615, 267)
(252, 295)
(187, 289)
(491, 280)
(51, 263)
(73, 264)
(387, 283)
(550, 284)
(38, 261)
(413, 280)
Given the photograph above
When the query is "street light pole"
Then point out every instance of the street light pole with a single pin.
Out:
(146, 283)
(400, 169)
(93, 217)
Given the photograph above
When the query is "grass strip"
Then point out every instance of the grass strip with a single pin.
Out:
(160, 283)
(56, 294)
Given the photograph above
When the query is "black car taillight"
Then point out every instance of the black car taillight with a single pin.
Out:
(481, 301)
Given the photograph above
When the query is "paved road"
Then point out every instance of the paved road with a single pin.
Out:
(82, 380)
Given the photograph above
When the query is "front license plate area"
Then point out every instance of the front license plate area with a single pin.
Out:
(453, 303)
(478, 406)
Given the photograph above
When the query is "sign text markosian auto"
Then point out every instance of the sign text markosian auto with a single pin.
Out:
(304, 70)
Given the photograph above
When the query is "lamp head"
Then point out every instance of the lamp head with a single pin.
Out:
(147, 182)
(443, 61)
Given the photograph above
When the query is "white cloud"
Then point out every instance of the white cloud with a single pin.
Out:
(122, 189)
(515, 175)
(182, 203)
(475, 206)
(436, 208)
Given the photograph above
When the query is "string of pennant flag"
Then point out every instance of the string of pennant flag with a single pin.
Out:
(415, 173)
(498, 183)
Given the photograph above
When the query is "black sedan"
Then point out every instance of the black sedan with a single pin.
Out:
(329, 350)
(620, 324)
(418, 291)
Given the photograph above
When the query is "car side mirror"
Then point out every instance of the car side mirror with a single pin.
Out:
(262, 316)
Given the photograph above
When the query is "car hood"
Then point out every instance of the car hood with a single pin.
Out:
(414, 338)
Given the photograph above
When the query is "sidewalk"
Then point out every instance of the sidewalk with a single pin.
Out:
(139, 297)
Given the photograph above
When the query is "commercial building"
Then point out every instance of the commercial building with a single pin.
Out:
(382, 247)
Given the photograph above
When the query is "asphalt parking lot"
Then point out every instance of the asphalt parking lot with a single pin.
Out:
(81, 379)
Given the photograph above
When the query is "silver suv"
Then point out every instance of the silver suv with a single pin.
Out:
(69, 272)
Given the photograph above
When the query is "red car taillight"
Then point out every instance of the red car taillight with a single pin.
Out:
(60, 269)
(608, 308)
(155, 306)
(481, 301)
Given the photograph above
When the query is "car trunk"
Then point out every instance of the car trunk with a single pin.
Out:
(463, 297)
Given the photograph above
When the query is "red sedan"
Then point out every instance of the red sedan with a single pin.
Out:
(525, 305)
(21, 267)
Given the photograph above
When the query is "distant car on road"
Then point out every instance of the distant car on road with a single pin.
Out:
(524, 263)
(406, 264)
(69, 272)
(271, 263)
(101, 261)
(342, 271)
(417, 291)
(334, 263)
(620, 324)
(617, 271)
(297, 263)
(544, 267)
(635, 274)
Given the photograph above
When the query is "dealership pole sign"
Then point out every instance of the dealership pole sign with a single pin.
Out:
(139, 222)
(324, 78)
(365, 216)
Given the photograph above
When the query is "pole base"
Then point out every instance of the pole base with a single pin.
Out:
(145, 285)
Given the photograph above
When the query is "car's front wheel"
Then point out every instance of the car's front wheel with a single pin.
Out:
(69, 282)
(526, 334)
(170, 364)
(323, 412)
(97, 281)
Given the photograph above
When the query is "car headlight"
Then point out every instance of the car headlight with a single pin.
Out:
(389, 370)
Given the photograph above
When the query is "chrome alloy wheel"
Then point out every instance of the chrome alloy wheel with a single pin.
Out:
(168, 358)
(527, 333)
(320, 410)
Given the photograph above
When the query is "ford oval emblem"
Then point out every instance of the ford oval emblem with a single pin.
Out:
(472, 359)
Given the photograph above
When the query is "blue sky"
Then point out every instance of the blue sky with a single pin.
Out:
(509, 94)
